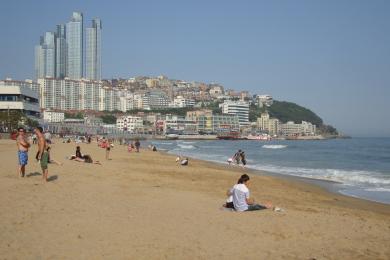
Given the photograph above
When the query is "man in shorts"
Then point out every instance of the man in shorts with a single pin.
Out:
(42, 155)
(23, 145)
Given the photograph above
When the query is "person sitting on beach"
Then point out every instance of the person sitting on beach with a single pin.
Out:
(154, 148)
(184, 162)
(79, 157)
(241, 199)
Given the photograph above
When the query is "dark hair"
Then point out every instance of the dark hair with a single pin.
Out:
(244, 178)
(40, 129)
(77, 147)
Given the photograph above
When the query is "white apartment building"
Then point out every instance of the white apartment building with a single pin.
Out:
(129, 123)
(52, 116)
(292, 129)
(19, 98)
(181, 101)
(239, 108)
(155, 99)
(179, 125)
(67, 94)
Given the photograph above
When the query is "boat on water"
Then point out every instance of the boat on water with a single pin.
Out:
(262, 137)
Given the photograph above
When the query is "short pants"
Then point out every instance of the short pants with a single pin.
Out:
(255, 207)
(44, 160)
(23, 157)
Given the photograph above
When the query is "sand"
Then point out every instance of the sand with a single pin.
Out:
(145, 206)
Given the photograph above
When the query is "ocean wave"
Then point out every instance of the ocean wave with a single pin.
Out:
(380, 189)
(274, 146)
(184, 146)
(353, 177)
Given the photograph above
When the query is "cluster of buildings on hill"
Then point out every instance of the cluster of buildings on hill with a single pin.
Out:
(68, 78)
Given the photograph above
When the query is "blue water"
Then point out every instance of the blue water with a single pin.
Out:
(361, 166)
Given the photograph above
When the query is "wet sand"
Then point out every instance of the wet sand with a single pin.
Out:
(145, 206)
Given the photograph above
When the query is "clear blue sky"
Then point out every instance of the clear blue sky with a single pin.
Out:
(332, 56)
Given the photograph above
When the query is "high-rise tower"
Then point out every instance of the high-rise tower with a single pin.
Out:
(74, 42)
(61, 51)
(93, 50)
(45, 63)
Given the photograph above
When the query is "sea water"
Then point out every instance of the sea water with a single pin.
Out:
(359, 167)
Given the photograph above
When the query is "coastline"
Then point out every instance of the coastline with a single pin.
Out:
(143, 205)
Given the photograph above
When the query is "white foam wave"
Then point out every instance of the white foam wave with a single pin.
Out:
(380, 189)
(345, 176)
(274, 146)
(184, 146)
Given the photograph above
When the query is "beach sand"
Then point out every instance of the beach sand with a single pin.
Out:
(145, 206)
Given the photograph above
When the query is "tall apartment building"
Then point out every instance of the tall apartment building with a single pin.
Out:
(67, 94)
(239, 108)
(61, 51)
(74, 41)
(129, 123)
(45, 63)
(93, 50)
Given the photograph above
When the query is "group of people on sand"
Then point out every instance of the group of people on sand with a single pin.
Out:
(42, 156)
(134, 146)
(237, 158)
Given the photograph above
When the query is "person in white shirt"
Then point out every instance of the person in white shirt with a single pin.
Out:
(241, 196)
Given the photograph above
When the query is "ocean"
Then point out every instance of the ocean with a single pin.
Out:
(358, 167)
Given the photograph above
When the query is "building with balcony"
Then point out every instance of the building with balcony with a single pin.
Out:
(214, 124)
(53, 117)
(21, 99)
(129, 123)
(238, 108)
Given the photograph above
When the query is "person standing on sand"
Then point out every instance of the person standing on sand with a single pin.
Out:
(23, 145)
(137, 145)
(108, 148)
(42, 155)
(237, 157)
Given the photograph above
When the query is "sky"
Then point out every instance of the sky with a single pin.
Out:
(331, 56)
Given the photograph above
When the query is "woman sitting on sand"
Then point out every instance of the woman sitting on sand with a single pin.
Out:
(79, 157)
(240, 197)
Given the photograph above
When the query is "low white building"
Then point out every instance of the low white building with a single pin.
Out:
(129, 123)
(20, 98)
(181, 101)
(292, 129)
(52, 116)
(264, 100)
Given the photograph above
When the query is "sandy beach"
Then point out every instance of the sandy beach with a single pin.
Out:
(145, 206)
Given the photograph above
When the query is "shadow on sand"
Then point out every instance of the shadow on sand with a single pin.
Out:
(31, 174)
(52, 178)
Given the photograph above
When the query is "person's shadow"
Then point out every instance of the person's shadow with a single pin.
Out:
(52, 178)
(31, 174)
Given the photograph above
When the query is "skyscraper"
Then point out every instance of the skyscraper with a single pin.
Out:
(45, 63)
(74, 42)
(61, 51)
(93, 50)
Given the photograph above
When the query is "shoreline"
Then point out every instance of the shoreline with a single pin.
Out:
(146, 206)
(327, 187)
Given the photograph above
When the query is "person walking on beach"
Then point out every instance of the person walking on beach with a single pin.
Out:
(237, 157)
(108, 149)
(23, 145)
(42, 155)
(137, 145)
(243, 160)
